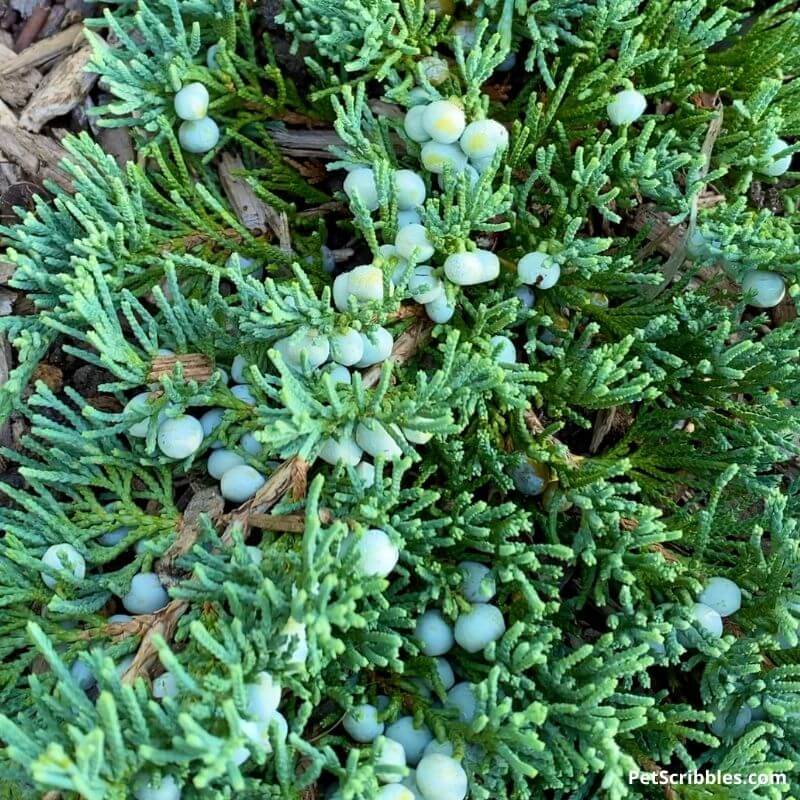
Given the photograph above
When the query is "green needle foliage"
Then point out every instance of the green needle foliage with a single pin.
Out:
(645, 440)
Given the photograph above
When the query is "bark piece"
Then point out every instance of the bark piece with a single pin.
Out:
(62, 90)
(314, 144)
(54, 21)
(8, 119)
(207, 501)
(287, 523)
(603, 423)
(196, 366)
(251, 211)
(16, 91)
(25, 7)
(33, 27)
(7, 270)
(117, 141)
(38, 155)
(43, 51)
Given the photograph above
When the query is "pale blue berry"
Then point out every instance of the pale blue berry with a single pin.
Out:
(440, 777)
(434, 633)
(437, 157)
(365, 283)
(240, 483)
(413, 240)
(538, 269)
(366, 473)
(339, 374)
(445, 673)
(412, 124)
(462, 697)
(377, 554)
(361, 182)
(707, 619)
(443, 121)
(340, 450)
(440, 310)
(296, 644)
(776, 167)
(198, 135)
(141, 405)
(408, 217)
(507, 352)
(763, 289)
(263, 697)
(146, 594)
(723, 595)
(490, 265)
(390, 762)
(250, 444)
(439, 748)
(347, 347)
(394, 791)
(165, 685)
(305, 346)
(530, 477)
(220, 461)
(191, 102)
(478, 584)
(243, 393)
(239, 369)
(479, 627)
(82, 675)
(731, 722)
(409, 189)
(464, 269)
(377, 347)
(211, 57)
(210, 421)
(180, 437)
(147, 788)
(626, 107)
(413, 739)
(361, 722)
(526, 296)
(482, 138)
(373, 438)
(423, 285)
(114, 537)
(65, 559)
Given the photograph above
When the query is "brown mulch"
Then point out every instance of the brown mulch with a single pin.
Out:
(44, 95)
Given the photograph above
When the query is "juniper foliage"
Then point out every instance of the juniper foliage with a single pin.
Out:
(657, 408)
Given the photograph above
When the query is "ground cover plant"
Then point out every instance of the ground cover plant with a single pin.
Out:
(447, 438)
